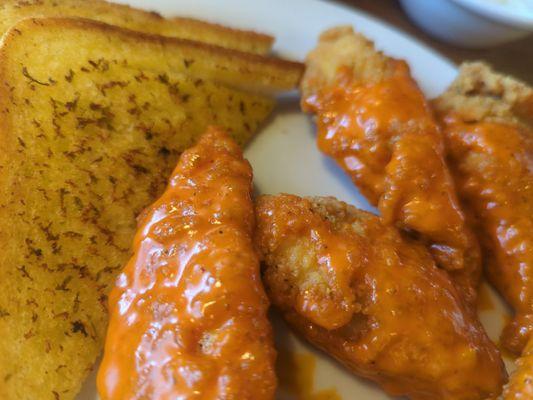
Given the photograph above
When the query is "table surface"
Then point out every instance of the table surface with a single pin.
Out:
(514, 58)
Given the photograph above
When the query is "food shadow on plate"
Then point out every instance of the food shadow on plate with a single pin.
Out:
(299, 363)
(286, 103)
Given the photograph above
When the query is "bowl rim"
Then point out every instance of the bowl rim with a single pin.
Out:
(507, 15)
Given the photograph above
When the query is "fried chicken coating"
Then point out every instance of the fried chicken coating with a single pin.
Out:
(487, 121)
(374, 300)
(375, 122)
(520, 386)
(188, 312)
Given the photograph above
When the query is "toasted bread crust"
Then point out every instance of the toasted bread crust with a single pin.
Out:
(235, 68)
(128, 17)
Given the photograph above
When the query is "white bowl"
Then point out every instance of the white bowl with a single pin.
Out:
(473, 23)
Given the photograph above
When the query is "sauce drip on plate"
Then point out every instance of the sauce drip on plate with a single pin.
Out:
(296, 372)
(484, 299)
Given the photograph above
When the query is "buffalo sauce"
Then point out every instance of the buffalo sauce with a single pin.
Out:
(334, 265)
(188, 312)
(520, 385)
(492, 164)
(337, 307)
(412, 333)
(384, 136)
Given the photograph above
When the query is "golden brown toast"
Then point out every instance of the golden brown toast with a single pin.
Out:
(92, 121)
(124, 16)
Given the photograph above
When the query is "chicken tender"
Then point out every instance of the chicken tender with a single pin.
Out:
(520, 386)
(375, 122)
(488, 126)
(374, 300)
(188, 312)
(487, 120)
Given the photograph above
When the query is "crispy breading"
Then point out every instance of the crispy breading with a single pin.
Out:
(374, 120)
(487, 120)
(373, 299)
(93, 119)
(520, 386)
(124, 16)
(480, 94)
(341, 46)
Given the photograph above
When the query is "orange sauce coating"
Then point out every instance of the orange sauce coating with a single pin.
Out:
(506, 354)
(520, 385)
(409, 331)
(384, 136)
(188, 312)
(492, 165)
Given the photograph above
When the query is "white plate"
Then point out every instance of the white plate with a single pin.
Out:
(284, 155)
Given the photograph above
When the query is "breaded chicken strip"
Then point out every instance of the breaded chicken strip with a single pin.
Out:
(188, 312)
(487, 120)
(374, 300)
(375, 122)
(520, 385)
